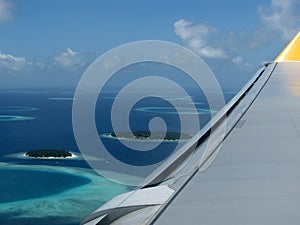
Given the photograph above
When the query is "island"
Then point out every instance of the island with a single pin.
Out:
(149, 136)
(48, 153)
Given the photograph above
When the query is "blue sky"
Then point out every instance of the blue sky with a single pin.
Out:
(51, 42)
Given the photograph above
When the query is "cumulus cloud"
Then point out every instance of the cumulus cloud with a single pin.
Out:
(10, 62)
(241, 62)
(5, 11)
(279, 20)
(281, 17)
(197, 37)
(237, 59)
(70, 59)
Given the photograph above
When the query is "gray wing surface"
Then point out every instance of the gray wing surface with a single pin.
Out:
(256, 176)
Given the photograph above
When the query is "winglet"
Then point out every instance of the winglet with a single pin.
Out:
(291, 51)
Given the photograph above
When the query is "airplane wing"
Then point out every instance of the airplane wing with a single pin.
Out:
(255, 178)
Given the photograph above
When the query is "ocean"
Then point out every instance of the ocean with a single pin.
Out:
(45, 191)
(65, 191)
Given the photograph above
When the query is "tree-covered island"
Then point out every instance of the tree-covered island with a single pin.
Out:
(147, 135)
(46, 153)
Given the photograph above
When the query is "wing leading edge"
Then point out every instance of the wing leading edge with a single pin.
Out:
(254, 180)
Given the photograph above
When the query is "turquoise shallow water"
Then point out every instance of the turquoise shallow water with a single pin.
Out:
(36, 195)
(16, 108)
(22, 184)
(4, 118)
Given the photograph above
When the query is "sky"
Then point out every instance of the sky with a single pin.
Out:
(52, 42)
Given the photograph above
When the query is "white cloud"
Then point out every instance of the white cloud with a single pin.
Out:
(10, 62)
(281, 17)
(5, 11)
(241, 63)
(237, 59)
(70, 59)
(186, 30)
(279, 21)
(198, 38)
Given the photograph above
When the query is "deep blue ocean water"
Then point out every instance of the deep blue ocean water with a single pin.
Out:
(38, 191)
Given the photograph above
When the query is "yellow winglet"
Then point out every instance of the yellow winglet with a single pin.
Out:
(291, 52)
